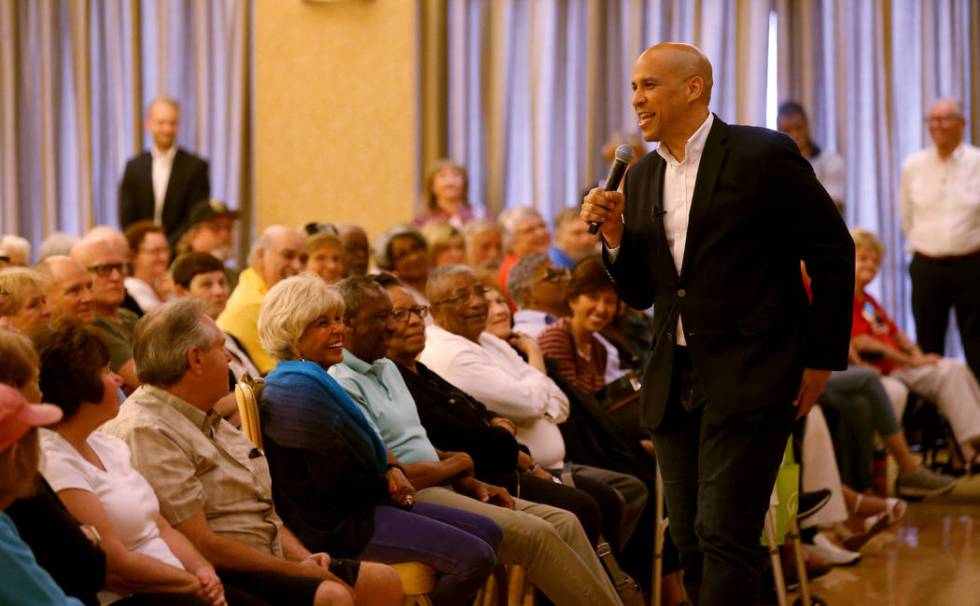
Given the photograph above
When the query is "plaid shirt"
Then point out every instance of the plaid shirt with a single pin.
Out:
(196, 461)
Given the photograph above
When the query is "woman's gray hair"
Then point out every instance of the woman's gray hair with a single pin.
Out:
(289, 308)
(520, 279)
(510, 218)
(163, 337)
(382, 246)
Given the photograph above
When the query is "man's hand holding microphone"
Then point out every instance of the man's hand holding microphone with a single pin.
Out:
(602, 208)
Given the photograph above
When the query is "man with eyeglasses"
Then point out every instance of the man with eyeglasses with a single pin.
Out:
(106, 265)
(940, 213)
(549, 543)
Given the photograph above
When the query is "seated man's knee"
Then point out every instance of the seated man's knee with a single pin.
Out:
(332, 593)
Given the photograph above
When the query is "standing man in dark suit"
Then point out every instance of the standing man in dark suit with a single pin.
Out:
(163, 185)
(711, 230)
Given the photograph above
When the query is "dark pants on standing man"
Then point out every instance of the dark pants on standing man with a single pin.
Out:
(937, 285)
(719, 469)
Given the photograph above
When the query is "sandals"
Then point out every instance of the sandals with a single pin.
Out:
(853, 541)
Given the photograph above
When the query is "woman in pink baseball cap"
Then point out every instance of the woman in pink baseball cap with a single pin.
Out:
(22, 580)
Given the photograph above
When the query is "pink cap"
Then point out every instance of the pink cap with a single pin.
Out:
(17, 417)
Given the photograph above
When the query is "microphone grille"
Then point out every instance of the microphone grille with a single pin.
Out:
(624, 153)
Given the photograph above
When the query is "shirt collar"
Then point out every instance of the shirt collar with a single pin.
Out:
(694, 146)
(207, 422)
(361, 367)
(533, 316)
(168, 155)
(956, 155)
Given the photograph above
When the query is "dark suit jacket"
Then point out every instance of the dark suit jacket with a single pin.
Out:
(757, 211)
(188, 185)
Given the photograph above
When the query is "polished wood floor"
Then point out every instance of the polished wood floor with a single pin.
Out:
(932, 558)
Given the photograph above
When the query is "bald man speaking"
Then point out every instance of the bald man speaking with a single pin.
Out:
(710, 230)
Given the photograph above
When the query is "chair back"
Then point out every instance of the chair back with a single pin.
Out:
(247, 397)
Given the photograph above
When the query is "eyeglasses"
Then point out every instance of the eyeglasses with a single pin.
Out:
(945, 119)
(556, 275)
(105, 270)
(479, 292)
(402, 315)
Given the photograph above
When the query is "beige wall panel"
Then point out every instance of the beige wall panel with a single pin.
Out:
(336, 112)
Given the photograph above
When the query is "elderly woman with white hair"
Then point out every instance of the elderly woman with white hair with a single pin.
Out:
(333, 480)
(525, 232)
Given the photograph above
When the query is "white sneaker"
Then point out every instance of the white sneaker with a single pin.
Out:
(827, 551)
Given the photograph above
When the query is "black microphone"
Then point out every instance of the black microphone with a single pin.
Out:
(624, 155)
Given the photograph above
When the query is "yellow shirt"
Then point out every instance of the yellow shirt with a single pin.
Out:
(241, 317)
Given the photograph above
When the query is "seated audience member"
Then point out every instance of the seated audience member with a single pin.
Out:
(791, 119)
(861, 407)
(947, 382)
(572, 340)
(446, 244)
(573, 242)
(211, 230)
(525, 232)
(402, 251)
(107, 265)
(213, 485)
(548, 542)
(538, 288)
(92, 475)
(356, 249)
(592, 437)
(148, 282)
(484, 245)
(24, 302)
(331, 479)
(22, 581)
(326, 252)
(58, 244)
(68, 289)
(454, 421)
(446, 198)
(17, 249)
(120, 245)
(201, 276)
(279, 253)
(60, 545)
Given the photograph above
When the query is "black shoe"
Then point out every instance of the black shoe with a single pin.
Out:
(812, 502)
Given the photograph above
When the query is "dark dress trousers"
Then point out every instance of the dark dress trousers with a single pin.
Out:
(189, 184)
(720, 410)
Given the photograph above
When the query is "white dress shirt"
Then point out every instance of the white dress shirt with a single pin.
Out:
(493, 373)
(163, 163)
(940, 202)
(679, 181)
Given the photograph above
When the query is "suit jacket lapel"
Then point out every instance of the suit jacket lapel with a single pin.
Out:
(176, 173)
(145, 167)
(657, 209)
(712, 159)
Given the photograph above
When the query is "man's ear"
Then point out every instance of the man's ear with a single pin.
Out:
(195, 360)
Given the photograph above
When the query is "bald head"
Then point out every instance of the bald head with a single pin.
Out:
(68, 288)
(279, 254)
(671, 91)
(946, 125)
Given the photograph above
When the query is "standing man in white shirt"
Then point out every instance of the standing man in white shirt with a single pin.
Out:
(163, 184)
(940, 212)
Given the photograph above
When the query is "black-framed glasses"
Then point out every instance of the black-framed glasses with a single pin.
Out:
(105, 270)
(402, 315)
(556, 275)
(479, 292)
